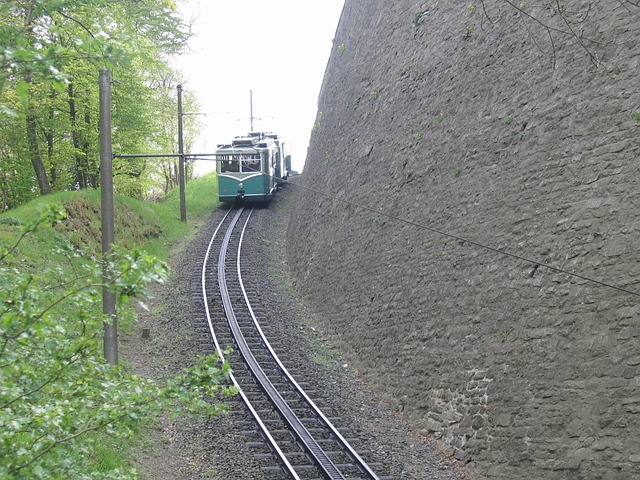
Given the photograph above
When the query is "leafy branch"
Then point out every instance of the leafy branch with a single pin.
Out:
(55, 387)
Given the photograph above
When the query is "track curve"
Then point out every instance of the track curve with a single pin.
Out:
(264, 377)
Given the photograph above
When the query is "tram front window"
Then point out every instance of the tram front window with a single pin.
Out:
(229, 166)
(252, 165)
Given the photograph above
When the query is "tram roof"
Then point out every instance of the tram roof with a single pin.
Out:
(252, 142)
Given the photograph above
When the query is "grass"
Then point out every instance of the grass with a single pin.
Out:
(321, 355)
(110, 454)
(320, 352)
(154, 227)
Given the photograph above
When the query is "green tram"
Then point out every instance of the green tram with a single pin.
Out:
(251, 168)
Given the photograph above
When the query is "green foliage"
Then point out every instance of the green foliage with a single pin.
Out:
(43, 38)
(440, 118)
(504, 335)
(200, 196)
(318, 124)
(50, 53)
(468, 31)
(132, 270)
(636, 116)
(55, 388)
(10, 221)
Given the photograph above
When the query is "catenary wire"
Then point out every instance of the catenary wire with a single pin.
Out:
(535, 263)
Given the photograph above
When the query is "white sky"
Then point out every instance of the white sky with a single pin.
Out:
(278, 49)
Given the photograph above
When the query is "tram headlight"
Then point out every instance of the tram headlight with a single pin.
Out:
(241, 185)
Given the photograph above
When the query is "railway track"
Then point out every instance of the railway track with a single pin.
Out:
(303, 442)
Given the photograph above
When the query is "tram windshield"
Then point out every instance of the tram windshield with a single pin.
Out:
(251, 164)
(227, 164)
(244, 162)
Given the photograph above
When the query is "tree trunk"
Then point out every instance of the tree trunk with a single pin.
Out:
(32, 124)
(92, 169)
(81, 161)
(34, 150)
(49, 139)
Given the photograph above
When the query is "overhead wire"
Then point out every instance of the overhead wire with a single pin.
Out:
(535, 263)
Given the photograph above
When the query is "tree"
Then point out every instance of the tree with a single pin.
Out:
(164, 83)
(50, 51)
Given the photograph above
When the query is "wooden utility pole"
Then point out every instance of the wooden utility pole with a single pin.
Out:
(107, 216)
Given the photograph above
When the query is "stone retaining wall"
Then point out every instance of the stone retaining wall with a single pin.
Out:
(442, 129)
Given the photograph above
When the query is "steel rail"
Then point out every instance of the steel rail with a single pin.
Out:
(278, 451)
(364, 467)
(305, 437)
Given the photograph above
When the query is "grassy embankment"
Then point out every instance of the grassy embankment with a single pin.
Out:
(153, 227)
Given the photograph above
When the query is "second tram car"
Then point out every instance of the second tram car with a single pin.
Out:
(251, 168)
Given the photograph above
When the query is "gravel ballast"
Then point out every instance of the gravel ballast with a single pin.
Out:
(199, 449)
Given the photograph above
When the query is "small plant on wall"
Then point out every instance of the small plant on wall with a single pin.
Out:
(468, 31)
(317, 125)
